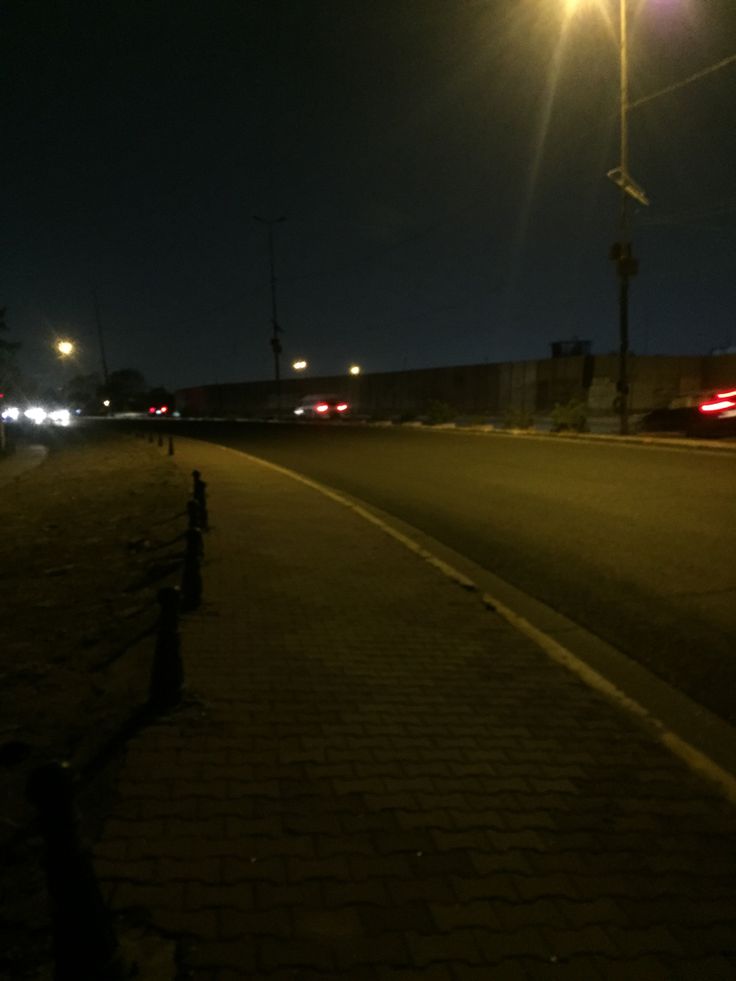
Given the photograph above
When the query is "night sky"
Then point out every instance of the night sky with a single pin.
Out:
(440, 165)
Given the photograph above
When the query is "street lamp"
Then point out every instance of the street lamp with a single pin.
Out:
(621, 252)
(354, 369)
(274, 342)
(299, 365)
(65, 348)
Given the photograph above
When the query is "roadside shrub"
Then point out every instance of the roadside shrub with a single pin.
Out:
(571, 417)
(437, 412)
(516, 418)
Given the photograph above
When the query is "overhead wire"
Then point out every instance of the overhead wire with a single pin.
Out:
(683, 82)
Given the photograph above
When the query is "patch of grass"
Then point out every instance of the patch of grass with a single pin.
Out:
(570, 417)
(437, 412)
(516, 418)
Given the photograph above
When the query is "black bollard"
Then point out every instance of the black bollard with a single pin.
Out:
(167, 674)
(85, 945)
(200, 496)
(171, 445)
(193, 511)
(191, 580)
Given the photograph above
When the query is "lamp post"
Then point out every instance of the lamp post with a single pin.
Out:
(276, 330)
(621, 253)
(65, 349)
(103, 359)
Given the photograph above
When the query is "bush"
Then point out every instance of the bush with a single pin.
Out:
(573, 416)
(438, 412)
(518, 419)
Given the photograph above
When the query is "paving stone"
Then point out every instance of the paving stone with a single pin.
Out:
(435, 972)
(570, 969)
(505, 971)
(526, 942)
(458, 945)
(459, 915)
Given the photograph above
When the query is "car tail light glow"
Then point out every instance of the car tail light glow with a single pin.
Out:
(720, 405)
(322, 407)
(342, 407)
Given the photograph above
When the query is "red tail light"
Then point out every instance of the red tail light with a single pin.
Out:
(342, 407)
(721, 403)
(322, 407)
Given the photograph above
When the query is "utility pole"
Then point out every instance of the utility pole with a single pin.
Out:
(275, 342)
(105, 373)
(626, 261)
(621, 253)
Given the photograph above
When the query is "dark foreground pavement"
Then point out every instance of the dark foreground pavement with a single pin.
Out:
(376, 777)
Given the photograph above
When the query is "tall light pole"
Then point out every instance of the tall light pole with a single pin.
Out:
(276, 330)
(621, 253)
(103, 359)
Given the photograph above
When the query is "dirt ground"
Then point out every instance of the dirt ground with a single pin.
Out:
(88, 538)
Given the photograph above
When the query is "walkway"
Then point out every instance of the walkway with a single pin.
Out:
(377, 778)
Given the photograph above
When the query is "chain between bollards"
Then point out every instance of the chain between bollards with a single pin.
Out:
(85, 945)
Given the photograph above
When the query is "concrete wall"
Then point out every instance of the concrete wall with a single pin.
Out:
(480, 389)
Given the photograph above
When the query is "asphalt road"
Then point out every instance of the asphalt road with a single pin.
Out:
(634, 542)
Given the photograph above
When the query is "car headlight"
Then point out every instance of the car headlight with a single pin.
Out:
(36, 414)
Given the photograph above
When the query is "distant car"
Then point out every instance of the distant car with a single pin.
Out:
(322, 407)
(708, 413)
(717, 413)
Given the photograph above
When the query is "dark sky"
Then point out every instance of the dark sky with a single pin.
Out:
(440, 165)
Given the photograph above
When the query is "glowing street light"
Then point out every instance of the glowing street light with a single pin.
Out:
(65, 348)
(299, 365)
(354, 369)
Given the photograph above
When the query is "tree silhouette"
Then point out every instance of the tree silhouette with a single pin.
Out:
(8, 351)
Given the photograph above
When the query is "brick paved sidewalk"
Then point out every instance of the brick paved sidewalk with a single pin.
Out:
(383, 780)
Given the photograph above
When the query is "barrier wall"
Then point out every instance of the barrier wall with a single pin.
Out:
(480, 389)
